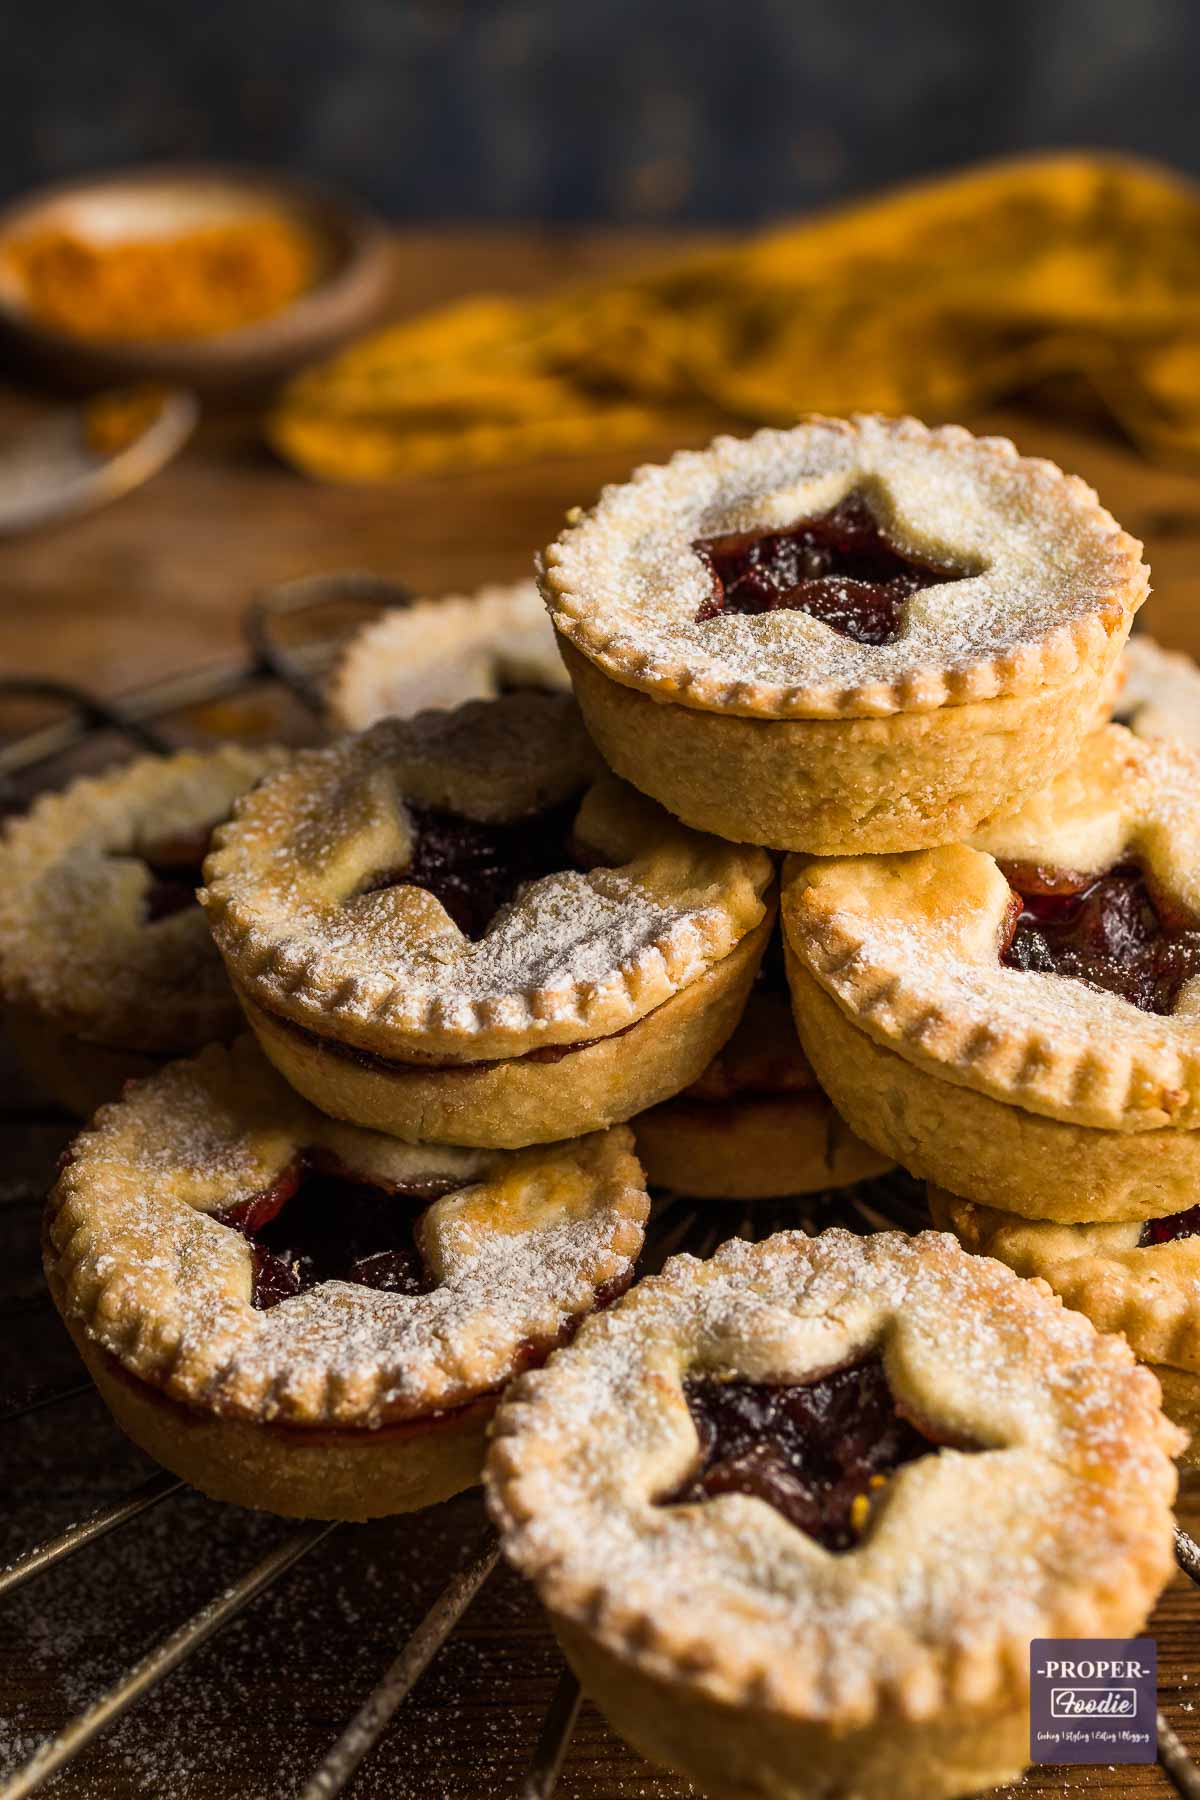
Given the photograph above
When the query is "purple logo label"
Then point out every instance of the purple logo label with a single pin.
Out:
(1093, 1700)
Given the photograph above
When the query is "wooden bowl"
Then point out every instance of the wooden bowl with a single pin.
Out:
(349, 292)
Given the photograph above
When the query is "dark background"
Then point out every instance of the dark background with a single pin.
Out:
(619, 110)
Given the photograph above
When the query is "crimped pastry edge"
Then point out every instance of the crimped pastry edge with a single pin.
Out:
(217, 1370)
(1142, 1077)
(1155, 1304)
(285, 979)
(1019, 670)
(41, 835)
(436, 619)
(931, 1678)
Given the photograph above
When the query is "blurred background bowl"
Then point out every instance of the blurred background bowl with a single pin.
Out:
(349, 290)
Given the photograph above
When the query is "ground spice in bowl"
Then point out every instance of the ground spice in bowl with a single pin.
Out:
(194, 284)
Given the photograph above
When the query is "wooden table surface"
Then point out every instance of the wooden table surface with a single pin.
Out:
(153, 585)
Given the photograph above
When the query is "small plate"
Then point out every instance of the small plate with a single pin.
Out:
(50, 471)
(347, 296)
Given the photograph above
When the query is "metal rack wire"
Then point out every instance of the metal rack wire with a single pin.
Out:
(137, 720)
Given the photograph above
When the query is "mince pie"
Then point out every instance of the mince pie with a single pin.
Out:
(755, 1125)
(302, 1316)
(107, 967)
(444, 652)
(1160, 693)
(797, 1512)
(858, 635)
(1018, 1020)
(1138, 1277)
(460, 929)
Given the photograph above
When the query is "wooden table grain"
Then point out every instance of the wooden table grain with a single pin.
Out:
(156, 584)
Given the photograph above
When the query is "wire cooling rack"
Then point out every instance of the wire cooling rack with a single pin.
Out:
(291, 635)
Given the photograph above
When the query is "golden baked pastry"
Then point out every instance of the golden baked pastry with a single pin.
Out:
(856, 636)
(440, 653)
(298, 1315)
(1018, 1020)
(1160, 692)
(797, 1512)
(755, 1125)
(459, 929)
(1142, 1279)
(107, 967)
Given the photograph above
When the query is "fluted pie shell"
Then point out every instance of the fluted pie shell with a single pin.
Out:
(1027, 1091)
(776, 728)
(441, 653)
(1148, 1291)
(342, 1401)
(727, 1643)
(755, 1126)
(96, 989)
(594, 992)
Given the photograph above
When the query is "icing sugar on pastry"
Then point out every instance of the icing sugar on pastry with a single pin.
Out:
(301, 904)
(516, 1248)
(440, 653)
(1046, 575)
(95, 931)
(1160, 695)
(910, 947)
(774, 1664)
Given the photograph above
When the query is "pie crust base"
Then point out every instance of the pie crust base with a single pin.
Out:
(763, 1147)
(755, 1125)
(985, 1149)
(347, 1398)
(744, 1753)
(836, 787)
(523, 1100)
(297, 1473)
(728, 1644)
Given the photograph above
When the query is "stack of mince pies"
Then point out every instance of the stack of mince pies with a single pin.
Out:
(778, 836)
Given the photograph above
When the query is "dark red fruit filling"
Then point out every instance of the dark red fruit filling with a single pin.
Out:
(172, 888)
(473, 868)
(841, 568)
(176, 871)
(312, 1226)
(816, 1452)
(1105, 930)
(1176, 1225)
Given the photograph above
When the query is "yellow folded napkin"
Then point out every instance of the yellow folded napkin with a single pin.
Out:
(934, 300)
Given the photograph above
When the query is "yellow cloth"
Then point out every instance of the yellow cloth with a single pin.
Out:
(934, 300)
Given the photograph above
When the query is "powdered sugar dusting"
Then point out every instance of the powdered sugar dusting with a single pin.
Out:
(1150, 1292)
(1051, 571)
(968, 1555)
(73, 939)
(440, 653)
(910, 945)
(1160, 696)
(570, 951)
(518, 1249)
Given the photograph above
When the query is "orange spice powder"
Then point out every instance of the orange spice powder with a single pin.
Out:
(194, 285)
